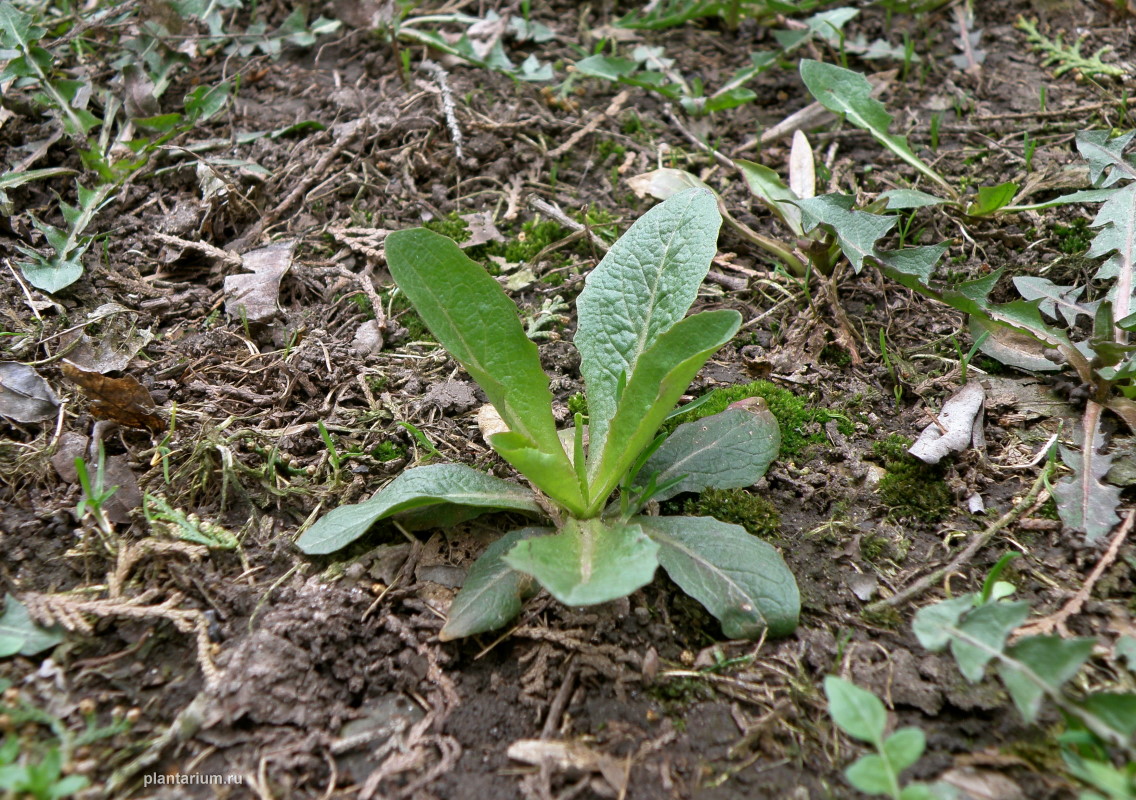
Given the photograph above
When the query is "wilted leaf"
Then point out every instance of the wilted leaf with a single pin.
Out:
(118, 341)
(481, 229)
(257, 294)
(122, 400)
(24, 395)
(957, 418)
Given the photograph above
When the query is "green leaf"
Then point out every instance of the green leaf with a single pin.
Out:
(856, 231)
(870, 774)
(992, 199)
(988, 626)
(10, 180)
(205, 101)
(454, 484)
(843, 91)
(16, 29)
(1117, 710)
(606, 67)
(589, 561)
(740, 579)
(912, 266)
(1106, 154)
(729, 450)
(469, 313)
(662, 374)
(932, 623)
(856, 711)
(1051, 658)
(19, 634)
(54, 274)
(641, 288)
(1084, 502)
(767, 186)
(909, 198)
(903, 748)
(1081, 196)
(493, 592)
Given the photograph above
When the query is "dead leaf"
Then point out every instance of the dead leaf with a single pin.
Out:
(570, 756)
(119, 340)
(258, 293)
(122, 400)
(482, 229)
(368, 339)
(954, 429)
(24, 395)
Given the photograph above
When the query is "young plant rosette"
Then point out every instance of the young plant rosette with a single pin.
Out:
(638, 354)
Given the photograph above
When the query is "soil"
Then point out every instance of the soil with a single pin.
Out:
(324, 677)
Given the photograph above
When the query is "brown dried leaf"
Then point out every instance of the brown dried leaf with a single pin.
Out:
(24, 395)
(257, 293)
(122, 400)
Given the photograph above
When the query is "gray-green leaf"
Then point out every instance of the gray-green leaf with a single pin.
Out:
(729, 450)
(454, 484)
(641, 288)
(740, 579)
(493, 591)
(19, 634)
(1051, 658)
(589, 561)
(856, 231)
(1084, 501)
(988, 626)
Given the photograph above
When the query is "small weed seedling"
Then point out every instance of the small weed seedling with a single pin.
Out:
(638, 353)
(861, 715)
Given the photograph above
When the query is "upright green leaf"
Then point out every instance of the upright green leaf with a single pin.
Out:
(661, 376)
(729, 450)
(843, 91)
(642, 287)
(740, 579)
(992, 199)
(856, 711)
(856, 231)
(767, 186)
(588, 561)
(1052, 659)
(477, 323)
(493, 592)
(1117, 239)
(454, 484)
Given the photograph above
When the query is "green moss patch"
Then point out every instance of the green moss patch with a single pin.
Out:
(737, 506)
(910, 488)
(801, 424)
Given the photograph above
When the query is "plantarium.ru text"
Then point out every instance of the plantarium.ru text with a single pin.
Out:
(638, 352)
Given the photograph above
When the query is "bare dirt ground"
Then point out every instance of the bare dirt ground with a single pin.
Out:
(324, 677)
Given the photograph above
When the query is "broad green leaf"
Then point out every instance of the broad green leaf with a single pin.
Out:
(454, 484)
(740, 579)
(16, 28)
(493, 592)
(641, 288)
(1084, 502)
(729, 450)
(988, 626)
(1117, 710)
(545, 470)
(932, 623)
(869, 774)
(903, 748)
(767, 186)
(856, 231)
(922, 791)
(1012, 347)
(992, 199)
(606, 67)
(20, 634)
(1051, 658)
(589, 561)
(1106, 154)
(843, 91)
(477, 323)
(51, 274)
(909, 198)
(661, 376)
(912, 266)
(856, 711)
